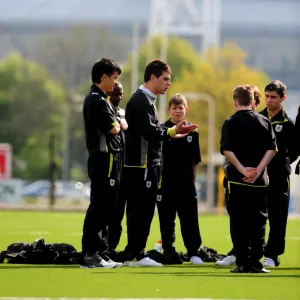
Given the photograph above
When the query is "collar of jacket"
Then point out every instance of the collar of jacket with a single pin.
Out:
(280, 116)
(150, 96)
(96, 89)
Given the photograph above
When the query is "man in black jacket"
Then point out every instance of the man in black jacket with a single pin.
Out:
(142, 159)
(115, 225)
(279, 170)
(105, 149)
(297, 125)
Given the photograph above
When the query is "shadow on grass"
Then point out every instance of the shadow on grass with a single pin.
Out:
(205, 274)
(195, 270)
(285, 269)
(12, 266)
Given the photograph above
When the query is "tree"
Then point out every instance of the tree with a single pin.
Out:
(180, 56)
(69, 54)
(217, 74)
(30, 109)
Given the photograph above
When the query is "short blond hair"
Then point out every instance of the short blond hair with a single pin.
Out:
(177, 99)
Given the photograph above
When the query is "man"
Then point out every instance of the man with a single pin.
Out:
(230, 259)
(104, 147)
(248, 143)
(180, 163)
(115, 226)
(279, 170)
(297, 126)
(142, 159)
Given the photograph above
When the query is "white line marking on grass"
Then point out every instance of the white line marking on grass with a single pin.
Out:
(27, 232)
(295, 238)
(40, 233)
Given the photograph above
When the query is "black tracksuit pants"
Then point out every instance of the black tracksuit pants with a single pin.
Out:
(115, 226)
(104, 173)
(178, 197)
(247, 208)
(141, 189)
(278, 206)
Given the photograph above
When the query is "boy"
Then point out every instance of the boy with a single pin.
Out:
(177, 193)
(248, 142)
(230, 259)
(105, 149)
(279, 170)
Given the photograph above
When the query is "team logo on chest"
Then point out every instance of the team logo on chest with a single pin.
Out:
(189, 138)
(278, 127)
(112, 182)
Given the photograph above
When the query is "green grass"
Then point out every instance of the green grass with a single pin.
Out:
(183, 281)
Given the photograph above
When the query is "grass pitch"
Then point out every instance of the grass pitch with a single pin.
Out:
(184, 281)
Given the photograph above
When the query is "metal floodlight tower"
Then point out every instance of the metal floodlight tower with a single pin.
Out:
(198, 18)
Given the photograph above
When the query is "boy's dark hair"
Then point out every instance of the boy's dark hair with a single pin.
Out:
(177, 99)
(243, 94)
(156, 67)
(257, 94)
(104, 66)
(278, 86)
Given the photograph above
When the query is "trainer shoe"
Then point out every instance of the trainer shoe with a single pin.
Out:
(249, 269)
(227, 261)
(110, 261)
(262, 270)
(240, 269)
(172, 258)
(96, 261)
(144, 262)
(269, 262)
(196, 260)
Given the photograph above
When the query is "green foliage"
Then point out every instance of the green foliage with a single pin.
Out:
(31, 109)
(69, 54)
(180, 56)
(216, 75)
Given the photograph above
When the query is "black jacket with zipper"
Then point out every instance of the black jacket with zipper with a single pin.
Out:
(285, 132)
(143, 138)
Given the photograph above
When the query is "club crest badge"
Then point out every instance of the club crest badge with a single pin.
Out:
(189, 138)
(112, 182)
(148, 184)
(158, 198)
(278, 128)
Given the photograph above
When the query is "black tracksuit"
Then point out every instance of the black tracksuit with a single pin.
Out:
(177, 193)
(104, 161)
(297, 126)
(141, 170)
(279, 171)
(115, 225)
(248, 135)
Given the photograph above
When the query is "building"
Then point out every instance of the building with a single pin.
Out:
(271, 39)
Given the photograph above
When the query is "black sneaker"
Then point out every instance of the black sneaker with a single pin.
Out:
(96, 261)
(240, 269)
(172, 258)
(259, 270)
(252, 269)
(114, 255)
